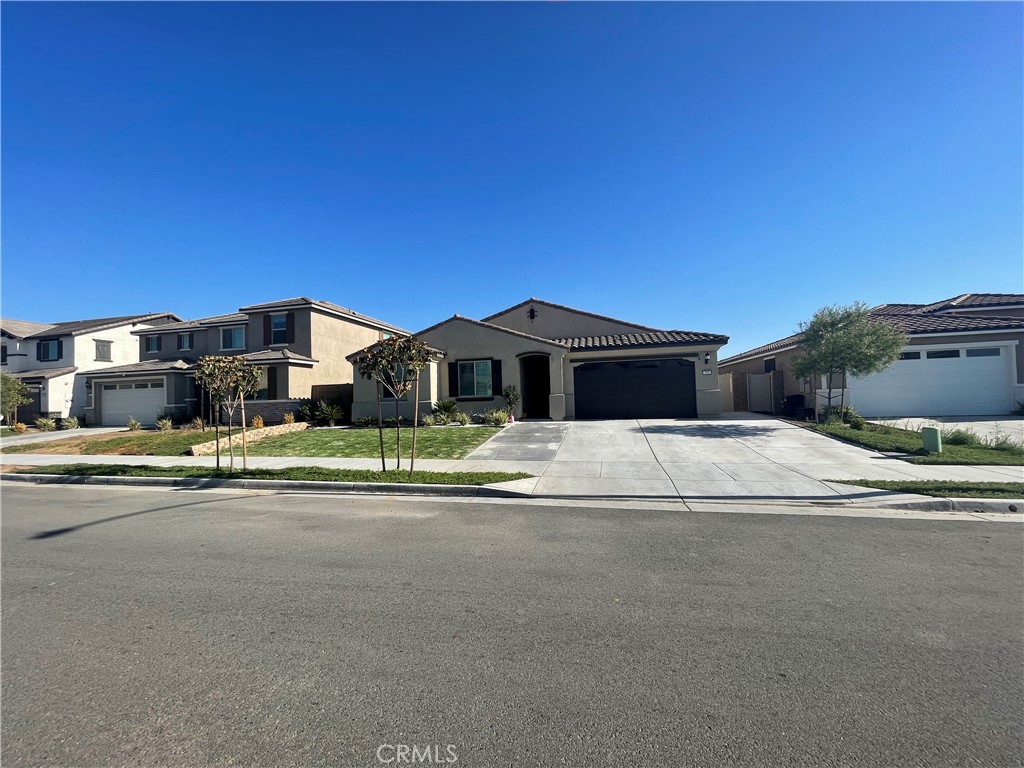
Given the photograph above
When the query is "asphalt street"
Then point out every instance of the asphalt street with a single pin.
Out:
(144, 627)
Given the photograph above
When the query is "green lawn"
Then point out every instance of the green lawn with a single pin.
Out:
(290, 473)
(878, 437)
(7, 432)
(955, 489)
(140, 443)
(431, 443)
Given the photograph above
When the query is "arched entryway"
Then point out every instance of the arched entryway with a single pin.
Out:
(535, 377)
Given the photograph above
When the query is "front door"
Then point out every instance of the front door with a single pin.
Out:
(535, 375)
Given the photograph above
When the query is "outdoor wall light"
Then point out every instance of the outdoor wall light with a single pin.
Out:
(532, 314)
(707, 358)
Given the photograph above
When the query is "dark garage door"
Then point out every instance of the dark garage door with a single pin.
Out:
(636, 389)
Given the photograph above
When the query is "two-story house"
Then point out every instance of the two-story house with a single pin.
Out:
(53, 359)
(299, 344)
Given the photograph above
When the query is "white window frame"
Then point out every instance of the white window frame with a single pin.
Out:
(232, 328)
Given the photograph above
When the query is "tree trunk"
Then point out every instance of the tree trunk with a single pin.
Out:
(216, 428)
(380, 428)
(415, 420)
(241, 401)
(398, 436)
(231, 445)
(829, 406)
(842, 397)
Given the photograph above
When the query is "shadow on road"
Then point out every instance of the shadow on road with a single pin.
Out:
(54, 532)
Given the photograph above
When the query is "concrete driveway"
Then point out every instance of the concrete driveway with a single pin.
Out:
(746, 457)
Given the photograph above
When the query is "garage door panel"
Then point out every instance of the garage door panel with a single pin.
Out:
(140, 400)
(950, 386)
(635, 389)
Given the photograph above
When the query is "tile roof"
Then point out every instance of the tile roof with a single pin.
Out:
(980, 300)
(568, 309)
(919, 320)
(327, 305)
(22, 329)
(186, 325)
(146, 366)
(73, 327)
(649, 339)
(45, 373)
(492, 327)
(277, 356)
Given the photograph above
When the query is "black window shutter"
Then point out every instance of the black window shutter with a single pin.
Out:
(496, 378)
(271, 382)
(60, 349)
(39, 350)
(267, 330)
(290, 333)
(159, 343)
(453, 379)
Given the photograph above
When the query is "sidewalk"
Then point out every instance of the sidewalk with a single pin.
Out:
(633, 488)
(58, 434)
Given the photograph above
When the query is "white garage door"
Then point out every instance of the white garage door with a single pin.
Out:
(938, 382)
(142, 399)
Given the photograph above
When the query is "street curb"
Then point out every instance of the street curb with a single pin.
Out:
(319, 486)
(1005, 506)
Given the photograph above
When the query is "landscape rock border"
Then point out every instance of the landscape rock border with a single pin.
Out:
(252, 435)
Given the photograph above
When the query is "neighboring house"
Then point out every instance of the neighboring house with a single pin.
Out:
(300, 344)
(963, 359)
(566, 364)
(54, 359)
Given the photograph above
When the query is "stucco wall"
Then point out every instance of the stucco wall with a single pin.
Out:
(554, 323)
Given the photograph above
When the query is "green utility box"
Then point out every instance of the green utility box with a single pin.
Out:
(931, 438)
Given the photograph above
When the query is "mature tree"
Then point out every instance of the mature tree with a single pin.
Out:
(395, 365)
(840, 341)
(13, 393)
(228, 380)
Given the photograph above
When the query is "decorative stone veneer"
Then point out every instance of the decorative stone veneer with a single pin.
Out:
(252, 435)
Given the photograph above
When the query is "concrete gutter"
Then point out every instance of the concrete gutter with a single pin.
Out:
(921, 503)
(314, 486)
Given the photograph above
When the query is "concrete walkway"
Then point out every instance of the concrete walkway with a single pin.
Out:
(742, 458)
(982, 426)
(58, 434)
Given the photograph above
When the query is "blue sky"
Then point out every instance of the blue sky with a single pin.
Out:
(725, 168)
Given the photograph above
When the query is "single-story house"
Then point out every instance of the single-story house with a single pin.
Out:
(566, 364)
(300, 344)
(963, 358)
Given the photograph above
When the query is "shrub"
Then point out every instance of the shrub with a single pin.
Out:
(257, 422)
(19, 428)
(511, 396)
(134, 424)
(960, 437)
(1003, 442)
(459, 418)
(367, 421)
(307, 412)
(857, 421)
(165, 424)
(496, 417)
(193, 424)
(45, 424)
(446, 407)
(401, 421)
(329, 412)
(289, 417)
(69, 423)
(429, 420)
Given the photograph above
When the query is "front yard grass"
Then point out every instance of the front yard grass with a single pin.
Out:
(955, 489)
(879, 437)
(431, 442)
(7, 432)
(139, 443)
(289, 473)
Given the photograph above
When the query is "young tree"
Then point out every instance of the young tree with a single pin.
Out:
(846, 341)
(13, 393)
(395, 365)
(228, 380)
